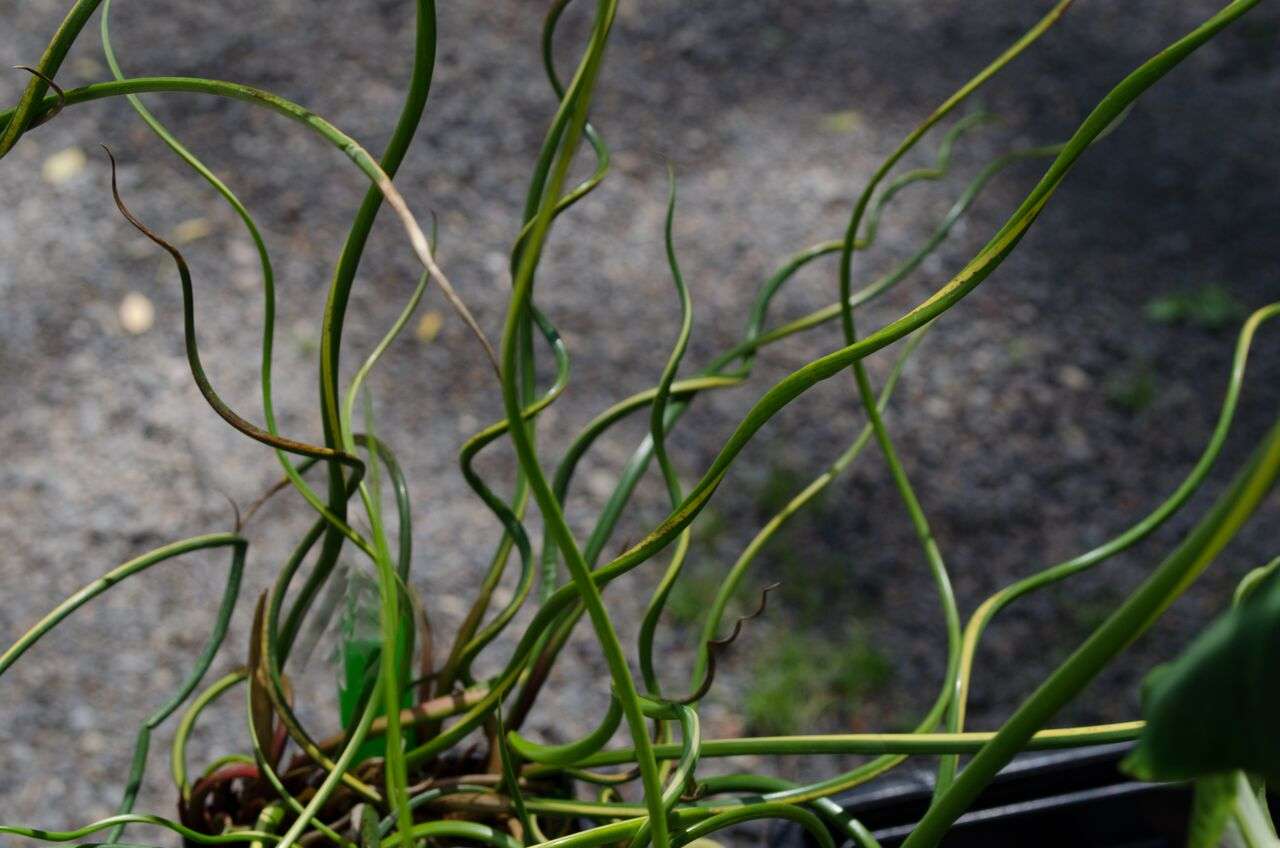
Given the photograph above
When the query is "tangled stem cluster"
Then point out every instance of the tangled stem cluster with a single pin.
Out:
(432, 779)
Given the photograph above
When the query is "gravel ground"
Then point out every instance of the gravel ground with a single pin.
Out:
(1044, 415)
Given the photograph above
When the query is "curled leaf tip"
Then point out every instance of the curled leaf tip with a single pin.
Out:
(57, 91)
(133, 219)
(716, 646)
(235, 510)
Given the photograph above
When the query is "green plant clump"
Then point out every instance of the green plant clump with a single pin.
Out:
(801, 677)
(432, 752)
(1210, 307)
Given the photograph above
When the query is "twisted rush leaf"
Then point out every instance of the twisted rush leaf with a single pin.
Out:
(393, 633)
(129, 569)
(178, 753)
(468, 643)
(117, 821)
(377, 550)
(509, 790)
(717, 376)
(987, 611)
(230, 595)
(950, 611)
(657, 434)
(774, 400)
(574, 104)
(639, 462)
(251, 227)
(1134, 616)
(684, 391)
(206, 388)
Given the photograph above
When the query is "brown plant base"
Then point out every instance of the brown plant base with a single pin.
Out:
(236, 794)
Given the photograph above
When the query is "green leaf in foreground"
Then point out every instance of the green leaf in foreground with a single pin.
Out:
(1214, 709)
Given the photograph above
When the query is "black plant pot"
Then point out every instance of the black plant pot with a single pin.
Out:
(1070, 798)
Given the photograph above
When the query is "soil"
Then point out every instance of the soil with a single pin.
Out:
(1044, 415)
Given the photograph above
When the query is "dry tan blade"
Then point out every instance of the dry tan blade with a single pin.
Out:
(423, 249)
(259, 700)
(439, 707)
(276, 487)
(426, 650)
(235, 510)
(611, 779)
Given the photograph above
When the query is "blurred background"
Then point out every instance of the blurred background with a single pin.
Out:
(1058, 404)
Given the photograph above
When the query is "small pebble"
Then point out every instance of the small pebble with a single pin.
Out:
(1073, 377)
(428, 326)
(63, 166)
(191, 230)
(936, 407)
(136, 313)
